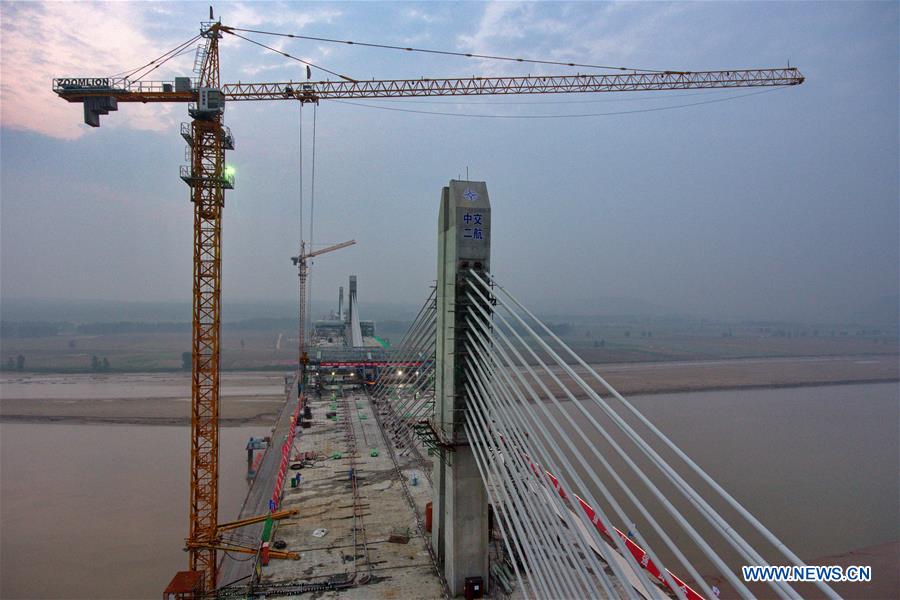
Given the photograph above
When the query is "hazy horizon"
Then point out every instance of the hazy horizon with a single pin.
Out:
(778, 205)
(881, 311)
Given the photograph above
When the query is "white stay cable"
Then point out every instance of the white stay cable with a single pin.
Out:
(537, 579)
(666, 503)
(515, 458)
(410, 340)
(544, 557)
(508, 396)
(564, 472)
(423, 340)
(599, 456)
(702, 506)
(502, 518)
(522, 479)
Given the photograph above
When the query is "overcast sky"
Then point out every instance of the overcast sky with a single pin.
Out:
(777, 205)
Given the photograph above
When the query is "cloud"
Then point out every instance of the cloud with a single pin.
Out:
(43, 40)
(46, 40)
(302, 19)
(417, 39)
(429, 17)
(501, 21)
(255, 69)
(251, 15)
(610, 34)
(260, 60)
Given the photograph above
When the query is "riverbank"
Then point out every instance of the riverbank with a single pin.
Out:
(246, 398)
(256, 397)
(716, 375)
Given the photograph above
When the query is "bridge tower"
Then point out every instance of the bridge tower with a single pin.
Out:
(460, 527)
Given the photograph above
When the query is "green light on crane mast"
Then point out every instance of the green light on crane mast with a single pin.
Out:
(228, 174)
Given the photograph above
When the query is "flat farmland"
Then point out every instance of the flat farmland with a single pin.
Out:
(141, 352)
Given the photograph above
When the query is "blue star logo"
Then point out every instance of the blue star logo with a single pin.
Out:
(470, 195)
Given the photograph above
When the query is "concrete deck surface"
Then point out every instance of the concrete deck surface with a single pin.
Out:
(356, 550)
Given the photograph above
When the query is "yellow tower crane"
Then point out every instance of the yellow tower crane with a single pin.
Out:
(208, 178)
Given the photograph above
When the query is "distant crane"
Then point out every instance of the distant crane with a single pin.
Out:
(208, 177)
(302, 268)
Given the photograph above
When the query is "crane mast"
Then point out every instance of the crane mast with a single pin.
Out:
(208, 178)
(302, 358)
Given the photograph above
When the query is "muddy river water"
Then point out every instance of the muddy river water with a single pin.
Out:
(99, 511)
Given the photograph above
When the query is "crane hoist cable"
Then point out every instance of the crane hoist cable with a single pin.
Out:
(452, 53)
(301, 314)
(312, 185)
(300, 136)
(312, 211)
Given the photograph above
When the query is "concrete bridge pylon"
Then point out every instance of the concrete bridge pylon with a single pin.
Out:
(460, 508)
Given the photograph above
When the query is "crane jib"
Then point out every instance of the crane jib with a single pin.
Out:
(124, 90)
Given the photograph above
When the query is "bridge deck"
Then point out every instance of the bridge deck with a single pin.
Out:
(355, 558)
(236, 568)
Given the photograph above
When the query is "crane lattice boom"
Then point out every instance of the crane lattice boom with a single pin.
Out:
(124, 90)
(329, 249)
